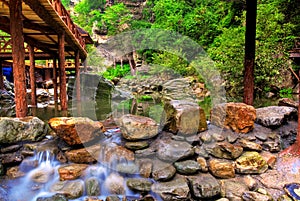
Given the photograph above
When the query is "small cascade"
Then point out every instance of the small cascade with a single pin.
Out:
(43, 180)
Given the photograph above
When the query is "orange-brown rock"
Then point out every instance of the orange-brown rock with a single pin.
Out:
(222, 168)
(76, 130)
(113, 153)
(71, 172)
(236, 116)
(84, 155)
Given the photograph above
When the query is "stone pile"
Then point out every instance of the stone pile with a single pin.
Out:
(183, 158)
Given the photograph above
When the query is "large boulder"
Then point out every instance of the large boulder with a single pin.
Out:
(236, 116)
(275, 116)
(135, 127)
(184, 117)
(13, 130)
(76, 130)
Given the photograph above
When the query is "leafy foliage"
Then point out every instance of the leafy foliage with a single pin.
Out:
(118, 71)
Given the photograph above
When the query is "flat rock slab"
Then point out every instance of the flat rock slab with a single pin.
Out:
(275, 116)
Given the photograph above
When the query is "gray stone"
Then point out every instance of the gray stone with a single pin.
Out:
(184, 117)
(139, 184)
(162, 171)
(274, 116)
(135, 127)
(56, 197)
(176, 189)
(233, 189)
(248, 145)
(127, 168)
(187, 167)
(92, 186)
(136, 145)
(71, 189)
(204, 185)
(171, 150)
(224, 150)
(14, 130)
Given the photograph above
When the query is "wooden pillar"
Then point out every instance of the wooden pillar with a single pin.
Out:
(1, 76)
(18, 55)
(32, 76)
(249, 60)
(85, 65)
(77, 69)
(55, 80)
(63, 77)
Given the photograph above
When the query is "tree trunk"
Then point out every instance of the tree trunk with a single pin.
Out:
(250, 51)
(32, 76)
(18, 54)
(63, 77)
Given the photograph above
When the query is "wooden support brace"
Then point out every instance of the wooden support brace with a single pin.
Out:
(32, 76)
(1, 76)
(55, 80)
(77, 69)
(63, 77)
(18, 54)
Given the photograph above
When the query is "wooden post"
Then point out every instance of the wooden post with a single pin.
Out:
(55, 80)
(1, 76)
(77, 70)
(63, 77)
(32, 76)
(250, 51)
(18, 55)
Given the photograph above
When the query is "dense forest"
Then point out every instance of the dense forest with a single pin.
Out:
(218, 26)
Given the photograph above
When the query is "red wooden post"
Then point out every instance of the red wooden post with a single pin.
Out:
(77, 69)
(63, 78)
(32, 76)
(55, 80)
(250, 51)
(18, 54)
(1, 76)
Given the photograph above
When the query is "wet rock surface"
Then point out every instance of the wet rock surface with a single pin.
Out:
(14, 130)
(215, 164)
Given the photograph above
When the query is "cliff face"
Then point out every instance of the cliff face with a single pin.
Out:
(135, 6)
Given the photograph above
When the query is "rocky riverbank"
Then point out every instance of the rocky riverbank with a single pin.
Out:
(233, 157)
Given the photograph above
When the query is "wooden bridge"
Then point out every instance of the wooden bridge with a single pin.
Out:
(49, 34)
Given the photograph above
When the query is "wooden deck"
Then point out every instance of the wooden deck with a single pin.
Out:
(49, 34)
(43, 20)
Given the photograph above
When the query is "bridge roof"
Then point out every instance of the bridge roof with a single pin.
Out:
(43, 20)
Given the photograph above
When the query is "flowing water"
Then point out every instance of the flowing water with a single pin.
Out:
(41, 174)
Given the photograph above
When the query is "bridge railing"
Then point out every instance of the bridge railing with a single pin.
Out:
(6, 45)
(65, 16)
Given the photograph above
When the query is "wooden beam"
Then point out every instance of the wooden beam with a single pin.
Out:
(32, 76)
(63, 78)
(55, 79)
(45, 15)
(18, 51)
(77, 70)
(1, 76)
